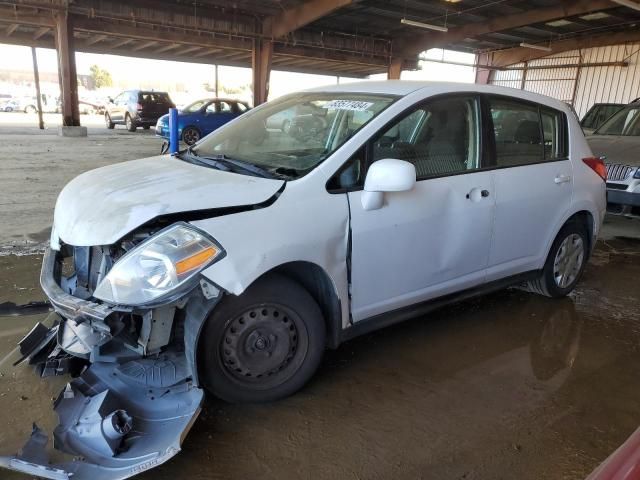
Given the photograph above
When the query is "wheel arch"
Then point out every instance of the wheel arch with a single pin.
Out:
(315, 280)
(586, 218)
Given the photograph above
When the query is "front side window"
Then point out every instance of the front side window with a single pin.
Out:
(625, 122)
(195, 106)
(292, 135)
(517, 132)
(441, 137)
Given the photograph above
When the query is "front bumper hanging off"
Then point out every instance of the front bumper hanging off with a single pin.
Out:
(121, 415)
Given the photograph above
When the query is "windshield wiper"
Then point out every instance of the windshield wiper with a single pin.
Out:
(222, 162)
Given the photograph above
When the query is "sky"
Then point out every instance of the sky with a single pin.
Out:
(129, 72)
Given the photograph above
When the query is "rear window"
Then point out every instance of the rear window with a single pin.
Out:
(154, 97)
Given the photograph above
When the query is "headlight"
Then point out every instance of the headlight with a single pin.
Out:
(158, 266)
(637, 174)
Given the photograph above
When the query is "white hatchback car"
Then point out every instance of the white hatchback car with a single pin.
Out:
(232, 265)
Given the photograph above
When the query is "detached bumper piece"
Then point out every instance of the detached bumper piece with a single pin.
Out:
(118, 420)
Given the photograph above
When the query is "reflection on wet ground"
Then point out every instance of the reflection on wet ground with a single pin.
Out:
(507, 386)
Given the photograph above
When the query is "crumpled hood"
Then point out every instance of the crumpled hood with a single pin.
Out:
(617, 149)
(101, 206)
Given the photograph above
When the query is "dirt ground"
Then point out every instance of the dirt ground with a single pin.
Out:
(37, 164)
(508, 386)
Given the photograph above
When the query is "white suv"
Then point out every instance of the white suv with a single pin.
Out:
(234, 264)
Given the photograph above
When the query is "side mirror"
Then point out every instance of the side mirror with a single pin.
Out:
(386, 175)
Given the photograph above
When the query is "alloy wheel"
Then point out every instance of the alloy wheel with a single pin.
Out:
(568, 261)
(190, 136)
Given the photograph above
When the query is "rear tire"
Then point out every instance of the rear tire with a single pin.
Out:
(107, 120)
(565, 263)
(264, 344)
(131, 125)
(147, 127)
(30, 109)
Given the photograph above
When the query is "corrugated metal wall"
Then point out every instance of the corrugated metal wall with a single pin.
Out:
(582, 87)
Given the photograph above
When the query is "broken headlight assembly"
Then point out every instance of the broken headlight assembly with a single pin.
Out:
(163, 264)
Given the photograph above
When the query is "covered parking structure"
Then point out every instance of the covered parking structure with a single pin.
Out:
(354, 38)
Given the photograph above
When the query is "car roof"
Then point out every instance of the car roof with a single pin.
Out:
(219, 99)
(406, 87)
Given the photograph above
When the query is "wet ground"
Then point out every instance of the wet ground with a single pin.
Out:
(509, 386)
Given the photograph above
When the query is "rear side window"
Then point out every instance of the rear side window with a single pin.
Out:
(517, 132)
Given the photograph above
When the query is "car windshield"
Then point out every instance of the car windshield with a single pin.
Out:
(626, 122)
(195, 106)
(292, 135)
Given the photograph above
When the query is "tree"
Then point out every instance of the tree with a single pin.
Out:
(101, 77)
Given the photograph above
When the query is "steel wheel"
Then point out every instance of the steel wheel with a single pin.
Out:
(568, 261)
(262, 342)
(190, 136)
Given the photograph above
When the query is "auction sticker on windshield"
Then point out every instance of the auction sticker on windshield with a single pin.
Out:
(354, 105)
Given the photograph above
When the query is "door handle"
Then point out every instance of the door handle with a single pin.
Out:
(477, 194)
(562, 179)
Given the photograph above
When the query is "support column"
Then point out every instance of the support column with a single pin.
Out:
(483, 75)
(36, 78)
(67, 72)
(395, 69)
(216, 85)
(261, 65)
(523, 82)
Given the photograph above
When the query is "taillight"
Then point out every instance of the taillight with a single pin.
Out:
(139, 106)
(597, 165)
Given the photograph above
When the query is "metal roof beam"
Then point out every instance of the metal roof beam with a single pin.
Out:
(413, 44)
(511, 56)
(301, 15)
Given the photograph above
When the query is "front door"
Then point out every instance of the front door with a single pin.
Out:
(435, 238)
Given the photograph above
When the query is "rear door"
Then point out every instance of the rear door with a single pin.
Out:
(435, 238)
(533, 182)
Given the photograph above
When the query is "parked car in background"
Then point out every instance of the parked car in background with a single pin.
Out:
(234, 264)
(50, 104)
(202, 117)
(9, 105)
(618, 141)
(598, 114)
(137, 108)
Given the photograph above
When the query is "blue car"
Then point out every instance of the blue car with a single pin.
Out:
(201, 118)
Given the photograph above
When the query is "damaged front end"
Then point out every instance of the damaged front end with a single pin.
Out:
(134, 392)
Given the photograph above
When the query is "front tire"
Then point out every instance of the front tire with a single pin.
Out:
(131, 125)
(190, 135)
(264, 344)
(565, 263)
